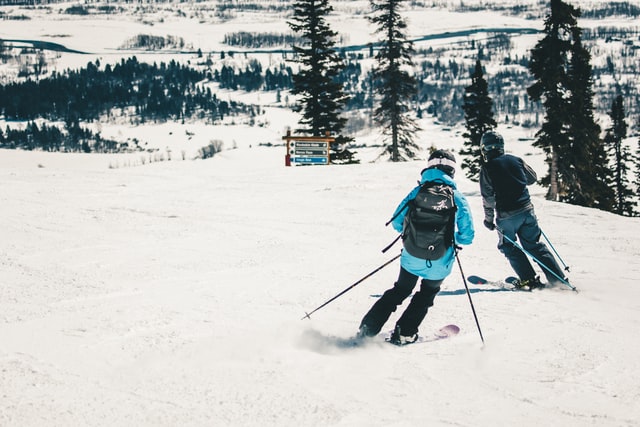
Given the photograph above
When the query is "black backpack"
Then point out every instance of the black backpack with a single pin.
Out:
(429, 223)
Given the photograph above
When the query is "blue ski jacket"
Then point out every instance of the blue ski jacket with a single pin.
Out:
(464, 232)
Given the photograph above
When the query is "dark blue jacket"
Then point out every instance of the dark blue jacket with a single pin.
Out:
(503, 185)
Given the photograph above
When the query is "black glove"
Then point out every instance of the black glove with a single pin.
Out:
(489, 224)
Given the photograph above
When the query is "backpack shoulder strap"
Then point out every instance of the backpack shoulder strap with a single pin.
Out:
(407, 203)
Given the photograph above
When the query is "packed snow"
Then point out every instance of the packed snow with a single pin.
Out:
(142, 291)
(172, 293)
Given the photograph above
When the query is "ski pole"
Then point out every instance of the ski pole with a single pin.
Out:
(566, 267)
(540, 263)
(307, 315)
(392, 243)
(464, 280)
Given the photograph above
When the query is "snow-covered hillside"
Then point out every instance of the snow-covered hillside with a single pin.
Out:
(202, 26)
(172, 294)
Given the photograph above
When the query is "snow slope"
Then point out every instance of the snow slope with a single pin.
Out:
(172, 294)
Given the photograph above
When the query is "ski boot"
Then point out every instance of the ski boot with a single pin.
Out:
(397, 339)
(528, 284)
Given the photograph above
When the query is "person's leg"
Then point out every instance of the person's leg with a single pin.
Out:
(417, 309)
(518, 259)
(529, 234)
(379, 313)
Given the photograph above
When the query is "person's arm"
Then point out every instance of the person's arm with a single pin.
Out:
(401, 211)
(529, 173)
(464, 221)
(488, 197)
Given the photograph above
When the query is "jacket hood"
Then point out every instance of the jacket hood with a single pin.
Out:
(434, 174)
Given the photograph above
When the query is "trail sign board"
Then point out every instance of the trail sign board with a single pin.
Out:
(307, 150)
(310, 160)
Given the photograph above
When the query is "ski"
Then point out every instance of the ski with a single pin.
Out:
(317, 341)
(444, 332)
(507, 283)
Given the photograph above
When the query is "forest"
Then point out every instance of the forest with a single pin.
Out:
(140, 92)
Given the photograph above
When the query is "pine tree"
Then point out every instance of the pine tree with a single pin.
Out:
(548, 65)
(584, 169)
(478, 114)
(621, 155)
(394, 84)
(322, 97)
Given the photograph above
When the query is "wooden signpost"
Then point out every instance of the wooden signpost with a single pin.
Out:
(307, 150)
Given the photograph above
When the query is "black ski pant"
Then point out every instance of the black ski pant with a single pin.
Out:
(415, 312)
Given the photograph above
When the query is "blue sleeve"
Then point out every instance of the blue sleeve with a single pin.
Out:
(401, 210)
(464, 221)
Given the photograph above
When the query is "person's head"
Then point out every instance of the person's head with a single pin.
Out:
(443, 160)
(491, 145)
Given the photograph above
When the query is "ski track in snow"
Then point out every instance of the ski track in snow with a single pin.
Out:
(171, 294)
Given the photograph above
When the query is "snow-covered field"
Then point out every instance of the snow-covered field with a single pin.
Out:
(152, 294)
(172, 294)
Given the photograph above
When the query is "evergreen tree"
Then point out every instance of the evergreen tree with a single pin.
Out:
(548, 65)
(322, 97)
(584, 169)
(394, 84)
(478, 115)
(621, 155)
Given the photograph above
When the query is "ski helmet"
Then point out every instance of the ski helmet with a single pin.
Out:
(443, 160)
(491, 145)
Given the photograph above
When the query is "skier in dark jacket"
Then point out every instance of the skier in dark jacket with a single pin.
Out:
(505, 198)
(440, 168)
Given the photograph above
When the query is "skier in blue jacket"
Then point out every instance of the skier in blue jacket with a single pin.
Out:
(440, 168)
